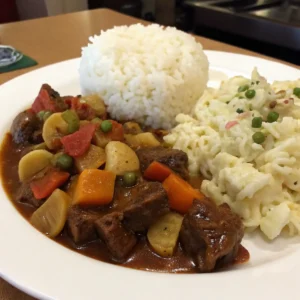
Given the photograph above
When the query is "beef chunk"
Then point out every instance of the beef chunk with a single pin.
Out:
(80, 225)
(25, 195)
(175, 159)
(211, 234)
(151, 202)
(55, 98)
(37, 136)
(23, 126)
(118, 240)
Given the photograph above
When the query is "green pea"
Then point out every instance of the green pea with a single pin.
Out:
(96, 121)
(129, 179)
(239, 111)
(64, 161)
(106, 126)
(72, 119)
(258, 138)
(272, 116)
(296, 91)
(41, 114)
(250, 94)
(243, 88)
(256, 122)
(46, 115)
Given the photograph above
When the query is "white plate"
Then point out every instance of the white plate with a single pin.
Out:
(44, 269)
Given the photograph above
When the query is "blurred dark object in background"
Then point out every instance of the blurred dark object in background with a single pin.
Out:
(149, 16)
(8, 11)
(270, 27)
(128, 7)
(183, 16)
(268, 49)
(132, 8)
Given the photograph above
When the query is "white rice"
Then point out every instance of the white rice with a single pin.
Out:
(145, 73)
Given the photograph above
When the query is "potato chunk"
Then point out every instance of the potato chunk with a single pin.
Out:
(120, 158)
(145, 139)
(163, 234)
(93, 159)
(33, 162)
(50, 218)
(55, 127)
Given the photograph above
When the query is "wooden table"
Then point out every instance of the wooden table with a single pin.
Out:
(53, 39)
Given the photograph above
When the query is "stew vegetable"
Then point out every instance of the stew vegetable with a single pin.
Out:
(112, 190)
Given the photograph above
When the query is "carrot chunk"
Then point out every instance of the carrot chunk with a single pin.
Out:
(157, 171)
(94, 187)
(43, 187)
(180, 193)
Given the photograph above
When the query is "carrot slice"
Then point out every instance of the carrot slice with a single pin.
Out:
(94, 187)
(43, 187)
(180, 193)
(157, 171)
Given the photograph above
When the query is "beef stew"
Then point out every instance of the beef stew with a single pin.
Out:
(66, 147)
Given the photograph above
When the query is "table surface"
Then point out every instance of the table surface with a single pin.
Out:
(53, 39)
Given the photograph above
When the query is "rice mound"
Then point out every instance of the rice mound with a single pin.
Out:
(146, 73)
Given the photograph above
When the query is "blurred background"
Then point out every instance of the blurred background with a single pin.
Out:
(270, 27)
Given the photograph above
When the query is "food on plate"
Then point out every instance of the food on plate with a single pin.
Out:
(244, 139)
(51, 217)
(163, 234)
(72, 171)
(144, 73)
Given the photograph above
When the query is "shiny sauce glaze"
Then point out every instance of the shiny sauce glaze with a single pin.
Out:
(141, 258)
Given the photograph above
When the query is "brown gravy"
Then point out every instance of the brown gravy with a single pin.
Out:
(142, 257)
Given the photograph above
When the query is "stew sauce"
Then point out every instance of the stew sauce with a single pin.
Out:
(142, 257)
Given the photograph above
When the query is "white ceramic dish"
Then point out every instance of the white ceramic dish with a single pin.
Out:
(47, 270)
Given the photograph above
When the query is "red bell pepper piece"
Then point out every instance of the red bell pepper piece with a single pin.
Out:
(43, 102)
(44, 187)
(83, 110)
(77, 143)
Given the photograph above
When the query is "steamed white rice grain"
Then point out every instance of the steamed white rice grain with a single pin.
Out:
(146, 73)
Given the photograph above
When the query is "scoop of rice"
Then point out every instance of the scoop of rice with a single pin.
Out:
(145, 73)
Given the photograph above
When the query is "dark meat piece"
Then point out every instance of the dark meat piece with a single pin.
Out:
(52, 93)
(151, 202)
(37, 136)
(57, 101)
(23, 126)
(48, 99)
(211, 234)
(175, 159)
(80, 225)
(25, 195)
(118, 240)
